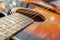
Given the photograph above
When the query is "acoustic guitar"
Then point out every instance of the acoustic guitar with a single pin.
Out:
(45, 27)
(30, 24)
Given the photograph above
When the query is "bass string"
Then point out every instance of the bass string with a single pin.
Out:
(31, 13)
(28, 13)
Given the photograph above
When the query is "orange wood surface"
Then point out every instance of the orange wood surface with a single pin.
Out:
(48, 29)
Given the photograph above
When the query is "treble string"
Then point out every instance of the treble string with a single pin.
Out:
(32, 14)
(26, 12)
(15, 17)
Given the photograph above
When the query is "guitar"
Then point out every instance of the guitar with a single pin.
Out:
(38, 24)
(46, 26)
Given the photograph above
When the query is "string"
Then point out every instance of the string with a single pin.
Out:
(27, 14)
(30, 12)
(17, 17)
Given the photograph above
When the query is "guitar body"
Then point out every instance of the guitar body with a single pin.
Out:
(46, 24)
(49, 29)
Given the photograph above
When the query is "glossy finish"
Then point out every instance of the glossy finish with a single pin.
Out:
(48, 29)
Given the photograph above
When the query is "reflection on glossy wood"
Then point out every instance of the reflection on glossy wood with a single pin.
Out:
(45, 4)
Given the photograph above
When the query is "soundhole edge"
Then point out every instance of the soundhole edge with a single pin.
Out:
(31, 14)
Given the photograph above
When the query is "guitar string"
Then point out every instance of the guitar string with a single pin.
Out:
(36, 14)
(31, 13)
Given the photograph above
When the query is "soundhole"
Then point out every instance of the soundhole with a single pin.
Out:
(32, 14)
(1, 15)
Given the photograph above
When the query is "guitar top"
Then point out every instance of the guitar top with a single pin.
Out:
(31, 20)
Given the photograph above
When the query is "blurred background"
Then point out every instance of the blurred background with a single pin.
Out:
(43, 0)
(15, 3)
(56, 2)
